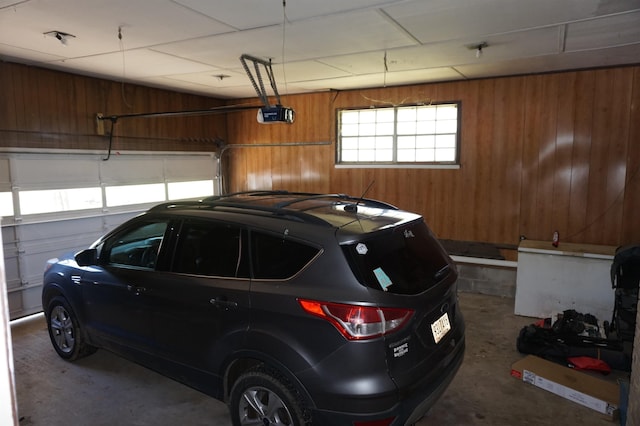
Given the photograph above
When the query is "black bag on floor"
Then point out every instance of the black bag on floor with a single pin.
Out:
(556, 345)
(625, 279)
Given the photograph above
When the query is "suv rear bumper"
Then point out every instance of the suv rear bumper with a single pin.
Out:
(410, 409)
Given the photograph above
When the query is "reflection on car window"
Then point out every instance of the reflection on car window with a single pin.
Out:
(213, 249)
(137, 246)
(277, 258)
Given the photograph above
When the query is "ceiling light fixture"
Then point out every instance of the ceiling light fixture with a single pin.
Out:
(478, 47)
(61, 36)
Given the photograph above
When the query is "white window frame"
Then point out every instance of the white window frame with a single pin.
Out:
(379, 137)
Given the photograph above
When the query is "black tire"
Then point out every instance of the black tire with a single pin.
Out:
(65, 331)
(262, 397)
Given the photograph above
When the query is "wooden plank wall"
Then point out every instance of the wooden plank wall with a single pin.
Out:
(49, 109)
(539, 153)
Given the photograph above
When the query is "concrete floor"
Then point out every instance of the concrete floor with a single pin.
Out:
(106, 390)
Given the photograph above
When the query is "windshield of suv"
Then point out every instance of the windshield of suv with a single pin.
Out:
(408, 260)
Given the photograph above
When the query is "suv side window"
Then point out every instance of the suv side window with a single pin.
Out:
(137, 246)
(213, 249)
(277, 258)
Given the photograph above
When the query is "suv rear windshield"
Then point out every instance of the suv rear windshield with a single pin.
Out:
(408, 260)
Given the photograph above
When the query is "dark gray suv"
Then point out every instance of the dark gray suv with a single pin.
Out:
(293, 308)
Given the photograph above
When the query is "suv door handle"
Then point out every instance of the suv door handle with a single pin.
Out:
(223, 302)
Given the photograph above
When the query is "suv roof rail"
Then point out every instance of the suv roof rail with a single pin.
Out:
(278, 208)
(304, 196)
(214, 203)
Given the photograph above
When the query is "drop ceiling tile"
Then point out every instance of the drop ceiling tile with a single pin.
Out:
(437, 20)
(265, 13)
(212, 78)
(511, 45)
(360, 63)
(609, 31)
(353, 32)
(95, 25)
(383, 79)
(304, 71)
(8, 52)
(140, 63)
(224, 50)
(302, 40)
(629, 54)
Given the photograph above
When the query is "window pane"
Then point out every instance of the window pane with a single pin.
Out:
(194, 189)
(349, 143)
(367, 129)
(445, 141)
(447, 154)
(134, 194)
(426, 127)
(59, 200)
(386, 115)
(350, 129)
(425, 155)
(406, 142)
(407, 114)
(446, 126)
(368, 116)
(384, 155)
(6, 204)
(278, 258)
(349, 117)
(384, 143)
(427, 113)
(407, 128)
(384, 129)
(367, 155)
(447, 112)
(350, 156)
(426, 141)
(213, 249)
(138, 246)
(367, 143)
(407, 155)
(402, 134)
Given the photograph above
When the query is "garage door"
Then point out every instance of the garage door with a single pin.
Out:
(52, 203)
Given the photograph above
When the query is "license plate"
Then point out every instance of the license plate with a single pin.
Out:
(440, 327)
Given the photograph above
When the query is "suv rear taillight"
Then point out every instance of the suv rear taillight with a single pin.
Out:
(357, 322)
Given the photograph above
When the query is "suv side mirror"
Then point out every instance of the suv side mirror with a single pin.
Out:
(87, 257)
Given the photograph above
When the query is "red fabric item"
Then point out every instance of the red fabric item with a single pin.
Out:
(588, 363)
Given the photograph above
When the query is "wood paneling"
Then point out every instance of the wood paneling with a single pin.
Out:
(538, 153)
(48, 109)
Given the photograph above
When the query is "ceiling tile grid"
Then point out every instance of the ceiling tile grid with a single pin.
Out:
(195, 45)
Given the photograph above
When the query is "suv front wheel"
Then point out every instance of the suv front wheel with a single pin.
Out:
(65, 332)
(259, 397)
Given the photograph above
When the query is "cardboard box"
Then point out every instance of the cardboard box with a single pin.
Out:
(598, 394)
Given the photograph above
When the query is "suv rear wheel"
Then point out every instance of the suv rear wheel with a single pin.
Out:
(260, 397)
(65, 332)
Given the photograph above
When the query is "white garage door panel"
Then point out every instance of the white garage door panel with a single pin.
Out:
(52, 231)
(113, 220)
(10, 256)
(31, 239)
(187, 169)
(44, 172)
(5, 175)
(133, 170)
